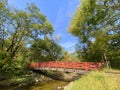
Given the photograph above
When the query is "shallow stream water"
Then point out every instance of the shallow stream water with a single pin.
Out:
(49, 85)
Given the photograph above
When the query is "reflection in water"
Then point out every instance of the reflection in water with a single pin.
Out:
(50, 85)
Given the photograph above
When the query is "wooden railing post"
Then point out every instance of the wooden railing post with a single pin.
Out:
(86, 66)
(99, 66)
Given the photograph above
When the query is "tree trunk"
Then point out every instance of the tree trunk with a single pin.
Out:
(106, 61)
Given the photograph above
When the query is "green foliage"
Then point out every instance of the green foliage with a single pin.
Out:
(96, 24)
(96, 81)
(45, 50)
(18, 28)
(69, 56)
(114, 51)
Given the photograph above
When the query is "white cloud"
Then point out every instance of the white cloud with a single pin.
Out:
(69, 46)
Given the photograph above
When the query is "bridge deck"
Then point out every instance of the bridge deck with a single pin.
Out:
(66, 66)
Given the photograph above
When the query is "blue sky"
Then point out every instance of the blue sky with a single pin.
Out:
(59, 13)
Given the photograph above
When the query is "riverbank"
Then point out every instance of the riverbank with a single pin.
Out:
(35, 77)
(23, 80)
(45, 85)
(96, 81)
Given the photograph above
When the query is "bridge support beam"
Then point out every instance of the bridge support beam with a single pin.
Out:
(59, 75)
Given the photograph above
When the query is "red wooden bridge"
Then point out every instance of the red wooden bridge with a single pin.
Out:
(66, 66)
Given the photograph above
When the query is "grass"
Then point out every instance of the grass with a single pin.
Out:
(96, 81)
(110, 70)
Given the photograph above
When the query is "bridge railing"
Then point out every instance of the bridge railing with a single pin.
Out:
(68, 65)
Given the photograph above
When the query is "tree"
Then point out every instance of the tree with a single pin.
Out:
(27, 25)
(69, 57)
(96, 23)
(17, 29)
(114, 51)
(3, 16)
(45, 50)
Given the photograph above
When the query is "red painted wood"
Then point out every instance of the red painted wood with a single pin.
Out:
(69, 65)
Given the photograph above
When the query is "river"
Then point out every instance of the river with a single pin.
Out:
(49, 85)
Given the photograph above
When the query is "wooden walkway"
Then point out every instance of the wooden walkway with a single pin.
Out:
(79, 67)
